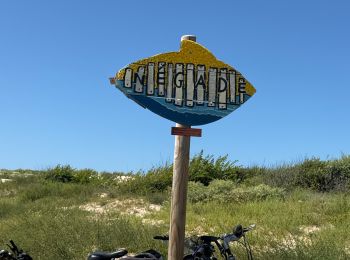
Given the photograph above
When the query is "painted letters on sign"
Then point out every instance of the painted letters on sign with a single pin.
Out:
(190, 87)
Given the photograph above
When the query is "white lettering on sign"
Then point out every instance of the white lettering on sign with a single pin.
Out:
(232, 75)
(212, 87)
(188, 84)
(161, 78)
(150, 79)
(241, 89)
(139, 79)
(128, 78)
(179, 84)
(169, 88)
(222, 89)
(200, 84)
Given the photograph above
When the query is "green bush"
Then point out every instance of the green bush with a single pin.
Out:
(156, 180)
(315, 174)
(205, 169)
(309, 173)
(85, 176)
(159, 179)
(60, 173)
(67, 174)
(197, 192)
(280, 176)
(324, 175)
(227, 191)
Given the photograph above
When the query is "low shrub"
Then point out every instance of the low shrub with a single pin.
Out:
(60, 173)
(280, 176)
(67, 174)
(325, 175)
(85, 176)
(159, 179)
(227, 191)
(205, 169)
(156, 180)
(315, 174)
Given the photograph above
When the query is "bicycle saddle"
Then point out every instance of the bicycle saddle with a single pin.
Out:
(107, 255)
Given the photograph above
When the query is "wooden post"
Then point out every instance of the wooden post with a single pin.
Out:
(179, 190)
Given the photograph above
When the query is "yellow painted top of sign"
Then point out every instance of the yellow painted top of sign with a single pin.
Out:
(190, 52)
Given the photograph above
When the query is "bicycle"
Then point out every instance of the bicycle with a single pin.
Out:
(17, 253)
(203, 249)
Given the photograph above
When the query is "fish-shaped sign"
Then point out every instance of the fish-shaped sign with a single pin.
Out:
(190, 87)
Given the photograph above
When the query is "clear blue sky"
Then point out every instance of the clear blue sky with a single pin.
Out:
(57, 106)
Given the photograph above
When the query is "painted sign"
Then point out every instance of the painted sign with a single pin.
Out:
(190, 87)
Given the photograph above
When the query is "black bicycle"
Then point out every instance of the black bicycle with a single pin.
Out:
(202, 247)
(15, 254)
(205, 248)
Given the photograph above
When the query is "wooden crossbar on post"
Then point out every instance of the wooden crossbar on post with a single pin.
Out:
(186, 131)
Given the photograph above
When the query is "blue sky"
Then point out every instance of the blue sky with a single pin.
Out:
(57, 106)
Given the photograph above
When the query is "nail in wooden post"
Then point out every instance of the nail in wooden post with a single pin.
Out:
(179, 190)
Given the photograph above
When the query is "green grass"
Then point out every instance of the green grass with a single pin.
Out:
(280, 224)
(45, 220)
(42, 213)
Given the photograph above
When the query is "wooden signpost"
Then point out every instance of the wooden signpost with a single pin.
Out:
(189, 87)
